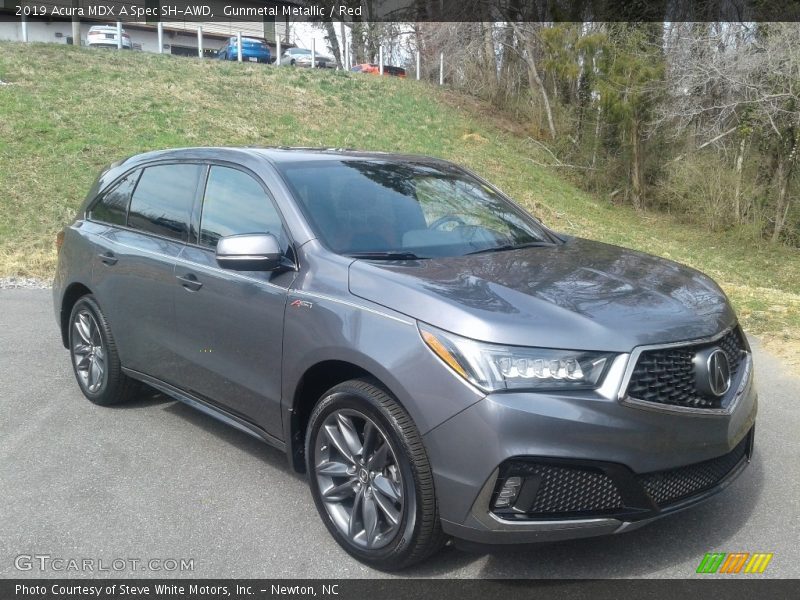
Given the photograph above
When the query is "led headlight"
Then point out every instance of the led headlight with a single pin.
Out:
(493, 367)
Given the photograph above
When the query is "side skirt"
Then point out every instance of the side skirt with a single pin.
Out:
(206, 407)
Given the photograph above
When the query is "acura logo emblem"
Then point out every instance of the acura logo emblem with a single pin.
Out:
(712, 372)
(719, 373)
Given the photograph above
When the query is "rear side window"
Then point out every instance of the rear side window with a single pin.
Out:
(236, 203)
(112, 207)
(162, 201)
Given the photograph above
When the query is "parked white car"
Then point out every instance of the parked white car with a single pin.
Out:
(105, 36)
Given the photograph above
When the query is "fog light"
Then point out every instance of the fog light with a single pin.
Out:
(508, 493)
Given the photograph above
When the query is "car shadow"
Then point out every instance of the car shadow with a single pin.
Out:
(270, 455)
(146, 398)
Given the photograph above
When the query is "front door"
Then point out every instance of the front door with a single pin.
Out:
(229, 324)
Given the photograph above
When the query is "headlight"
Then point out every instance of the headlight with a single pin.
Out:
(493, 367)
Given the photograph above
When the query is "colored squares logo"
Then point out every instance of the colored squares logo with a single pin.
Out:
(734, 562)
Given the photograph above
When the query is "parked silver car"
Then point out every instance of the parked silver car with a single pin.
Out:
(436, 360)
(300, 57)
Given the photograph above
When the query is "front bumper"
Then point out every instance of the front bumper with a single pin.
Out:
(649, 458)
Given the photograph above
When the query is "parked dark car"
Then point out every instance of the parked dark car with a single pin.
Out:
(374, 69)
(437, 361)
(253, 50)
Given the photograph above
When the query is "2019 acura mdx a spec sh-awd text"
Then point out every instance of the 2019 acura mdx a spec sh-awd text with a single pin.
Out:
(438, 362)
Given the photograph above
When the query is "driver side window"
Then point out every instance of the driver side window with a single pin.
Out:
(234, 203)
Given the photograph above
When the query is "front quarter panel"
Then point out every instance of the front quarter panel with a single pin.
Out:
(324, 322)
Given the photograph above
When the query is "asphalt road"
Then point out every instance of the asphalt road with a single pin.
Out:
(158, 480)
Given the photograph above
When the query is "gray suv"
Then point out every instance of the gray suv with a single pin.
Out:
(438, 362)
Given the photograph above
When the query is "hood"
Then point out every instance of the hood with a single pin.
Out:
(580, 295)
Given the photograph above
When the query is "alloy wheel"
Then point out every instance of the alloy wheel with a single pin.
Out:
(88, 351)
(359, 479)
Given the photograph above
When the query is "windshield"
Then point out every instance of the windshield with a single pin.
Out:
(406, 210)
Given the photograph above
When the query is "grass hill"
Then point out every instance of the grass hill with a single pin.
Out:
(68, 111)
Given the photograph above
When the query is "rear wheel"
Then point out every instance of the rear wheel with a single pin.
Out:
(95, 361)
(370, 477)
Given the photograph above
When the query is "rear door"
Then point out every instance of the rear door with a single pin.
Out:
(134, 275)
(229, 324)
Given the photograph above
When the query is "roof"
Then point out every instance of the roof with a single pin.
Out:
(280, 154)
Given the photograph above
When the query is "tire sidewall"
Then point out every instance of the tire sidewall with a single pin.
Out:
(359, 401)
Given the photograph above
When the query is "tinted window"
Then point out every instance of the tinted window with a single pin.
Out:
(113, 206)
(236, 203)
(428, 210)
(163, 200)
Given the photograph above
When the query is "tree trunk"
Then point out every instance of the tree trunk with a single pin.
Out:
(785, 169)
(637, 194)
(343, 33)
(527, 39)
(489, 52)
(783, 184)
(737, 193)
(596, 142)
(533, 72)
(333, 42)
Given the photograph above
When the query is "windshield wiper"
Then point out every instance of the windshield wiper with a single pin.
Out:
(505, 247)
(384, 255)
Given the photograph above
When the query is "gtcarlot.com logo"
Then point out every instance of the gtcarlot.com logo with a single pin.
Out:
(46, 562)
(734, 563)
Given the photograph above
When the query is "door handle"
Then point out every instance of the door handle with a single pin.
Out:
(189, 281)
(108, 258)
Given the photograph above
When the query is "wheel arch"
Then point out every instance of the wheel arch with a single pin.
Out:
(315, 381)
(74, 292)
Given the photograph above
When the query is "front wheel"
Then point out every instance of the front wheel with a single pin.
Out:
(370, 477)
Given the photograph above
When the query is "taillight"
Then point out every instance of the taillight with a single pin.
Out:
(59, 240)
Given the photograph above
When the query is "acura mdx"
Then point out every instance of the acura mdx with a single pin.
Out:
(436, 360)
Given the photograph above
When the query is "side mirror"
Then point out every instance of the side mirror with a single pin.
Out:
(249, 252)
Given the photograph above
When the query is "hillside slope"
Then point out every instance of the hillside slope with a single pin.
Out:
(68, 111)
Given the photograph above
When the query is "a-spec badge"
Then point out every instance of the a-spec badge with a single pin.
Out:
(301, 304)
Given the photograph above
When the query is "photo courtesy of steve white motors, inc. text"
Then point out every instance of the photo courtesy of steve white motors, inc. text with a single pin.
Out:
(170, 589)
(173, 11)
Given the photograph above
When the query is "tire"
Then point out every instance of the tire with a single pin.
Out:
(94, 357)
(382, 509)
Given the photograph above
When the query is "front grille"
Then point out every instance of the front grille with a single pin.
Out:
(666, 375)
(665, 487)
(558, 490)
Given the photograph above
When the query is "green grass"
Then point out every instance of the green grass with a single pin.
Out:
(69, 111)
